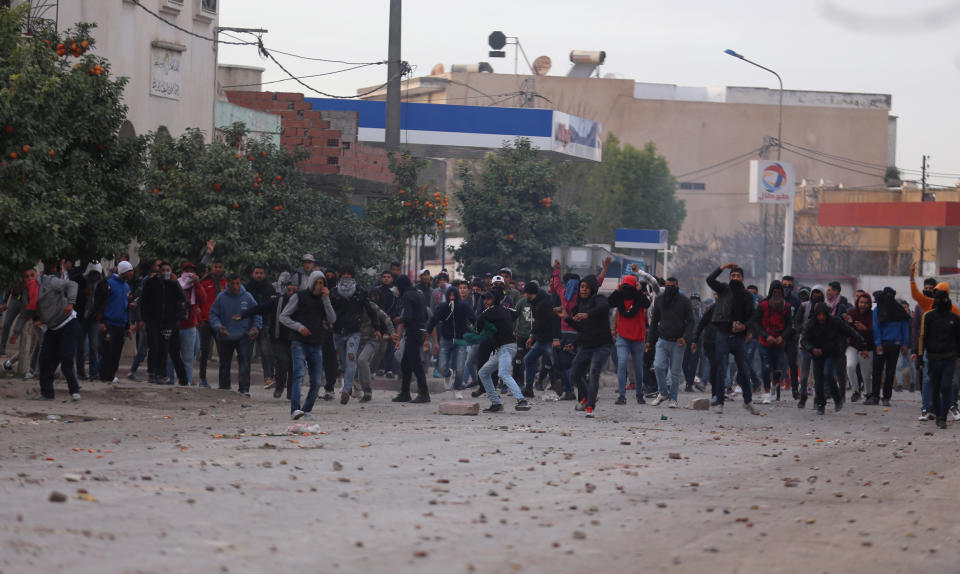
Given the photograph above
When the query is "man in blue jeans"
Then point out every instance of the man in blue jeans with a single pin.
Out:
(631, 304)
(544, 335)
(234, 332)
(671, 327)
(731, 314)
(501, 358)
(305, 315)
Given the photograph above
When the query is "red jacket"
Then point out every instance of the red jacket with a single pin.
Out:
(632, 328)
(209, 291)
(194, 311)
(772, 323)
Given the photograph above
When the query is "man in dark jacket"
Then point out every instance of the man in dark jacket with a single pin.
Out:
(544, 336)
(732, 312)
(825, 338)
(792, 345)
(861, 319)
(891, 333)
(590, 317)
(162, 305)
(307, 315)
(504, 348)
(412, 327)
(706, 335)
(262, 290)
(279, 336)
(671, 327)
(451, 320)
(350, 303)
(940, 340)
(772, 325)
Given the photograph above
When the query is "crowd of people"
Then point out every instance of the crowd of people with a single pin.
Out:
(494, 334)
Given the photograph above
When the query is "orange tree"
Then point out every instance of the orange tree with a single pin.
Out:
(251, 198)
(415, 209)
(509, 214)
(69, 185)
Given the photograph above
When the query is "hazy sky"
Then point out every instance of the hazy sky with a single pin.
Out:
(907, 49)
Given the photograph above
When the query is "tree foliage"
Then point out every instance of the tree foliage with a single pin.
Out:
(509, 215)
(69, 185)
(415, 209)
(630, 188)
(251, 198)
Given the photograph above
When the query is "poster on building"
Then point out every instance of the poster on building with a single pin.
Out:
(165, 73)
(577, 136)
(771, 181)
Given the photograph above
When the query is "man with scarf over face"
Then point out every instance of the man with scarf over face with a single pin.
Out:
(591, 318)
(671, 328)
(891, 333)
(412, 327)
(350, 304)
(262, 289)
(800, 318)
(940, 340)
(825, 338)
(630, 331)
(773, 326)
(730, 317)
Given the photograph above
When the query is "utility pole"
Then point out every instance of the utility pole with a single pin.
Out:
(923, 198)
(392, 136)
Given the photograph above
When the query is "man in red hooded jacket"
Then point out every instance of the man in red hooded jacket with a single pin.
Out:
(773, 327)
(210, 286)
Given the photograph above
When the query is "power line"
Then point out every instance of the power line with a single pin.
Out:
(328, 60)
(189, 32)
(301, 77)
(726, 161)
(837, 165)
(864, 164)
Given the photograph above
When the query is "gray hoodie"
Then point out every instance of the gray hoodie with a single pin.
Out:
(54, 294)
(286, 316)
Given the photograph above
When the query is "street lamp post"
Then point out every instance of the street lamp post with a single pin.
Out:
(788, 222)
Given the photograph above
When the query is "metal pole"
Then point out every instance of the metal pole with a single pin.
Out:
(392, 136)
(923, 198)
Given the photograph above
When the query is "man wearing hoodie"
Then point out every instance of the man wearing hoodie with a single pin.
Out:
(301, 278)
(162, 307)
(269, 312)
(111, 304)
(773, 327)
(411, 327)
(504, 347)
(350, 304)
(925, 301)
(825, 337)
(630, 330)
(671, 328)
(803, 315)
(891, 333)
(861, 318)
(791, 345)
(233, 334)
(543, 340)
(940, 341)
(262, 290)
(308, 315)
(452, 319)
(373, 337)
(88, 347)
(590, 317)
(212, 285)
(194, 301)
(732, 313)
(49, 301)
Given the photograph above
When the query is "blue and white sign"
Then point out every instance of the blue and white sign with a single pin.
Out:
(641, 238)
(771, 181)
(577, 136)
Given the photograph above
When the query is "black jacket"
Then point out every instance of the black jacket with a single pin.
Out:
(350, 311)
(312, 314)
(705, 328)
(546, 323)
(502, 319)
(673, 321)
(831, 335)
(732, 305)
(414, 312)
(594, 331)
(940, 335)
(453, 318)
(162, 301)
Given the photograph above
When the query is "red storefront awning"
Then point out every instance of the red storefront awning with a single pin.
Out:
(897, 214)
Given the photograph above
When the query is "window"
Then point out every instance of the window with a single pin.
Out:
(346, 145)
(691, 186)
(208, 6)
(289, 105)
(333, 160)
(333, 142)
(306, 132)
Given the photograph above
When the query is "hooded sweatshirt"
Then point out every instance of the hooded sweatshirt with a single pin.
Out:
(926, 302)
(414, 311)
(46, 302)
(594, 331)
(211, 287)
(734, 303)
(831, 336)
(453, 317)
(546, 323)
(569, 294)
(226, 306)
(772, 318)
(891, 322)
(117, 294)
(631, 305)
(162, 301)
(940, 332)
(305, 309)
(673, 317)
(350, 304)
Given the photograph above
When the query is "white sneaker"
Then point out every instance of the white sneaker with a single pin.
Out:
(717, 409)
(955, 412)
(658, 399)
(30, 375)
(75, 396)
(766, 398)
(924, 416)
(115, 381)
(297, 414)
(446, 384)
(673, 405)
(736, 390)
(751, 409)
(458, 395)
(696, 379)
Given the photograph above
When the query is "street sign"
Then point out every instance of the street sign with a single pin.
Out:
(771, 181)
(641, 238)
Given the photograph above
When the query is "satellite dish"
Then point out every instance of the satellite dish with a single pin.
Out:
(541, 66)
(437, 70)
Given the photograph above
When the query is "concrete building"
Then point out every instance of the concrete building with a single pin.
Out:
(171, 73)
(695, 128)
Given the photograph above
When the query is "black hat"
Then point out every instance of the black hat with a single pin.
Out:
(531, 287)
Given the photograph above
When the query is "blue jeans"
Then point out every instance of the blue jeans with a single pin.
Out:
(142, 348)
(825, 375)
(752, 347)
(89, 346)
(735, 344)
(627, 348)
(530, 362)
(774, 361)
(589, 361)
(452, 358)
(188, 351)
(348, 348)
(501, 360)
(306, 357)
(472, 369)
(669, 355)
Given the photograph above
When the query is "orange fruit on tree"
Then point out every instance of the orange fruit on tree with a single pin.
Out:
(155, 190)
(217, 187)
(26, 149)
(8, 129)
(52, 153)
(13, 155)
(236, 205)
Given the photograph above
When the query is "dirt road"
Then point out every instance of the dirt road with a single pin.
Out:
(168, 479)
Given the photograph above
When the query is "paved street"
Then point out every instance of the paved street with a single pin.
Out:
(164, 479)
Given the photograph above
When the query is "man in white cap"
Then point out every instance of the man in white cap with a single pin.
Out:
(111, 302)
(507, 274)
(302, 276)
